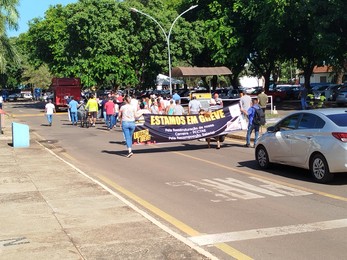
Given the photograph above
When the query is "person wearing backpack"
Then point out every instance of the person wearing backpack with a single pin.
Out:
(256, 119)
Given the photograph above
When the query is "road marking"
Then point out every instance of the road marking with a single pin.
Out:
(230, 189)
(328, 195)
(172, 220)
(36, 114)
(268, 232)
(26, 115)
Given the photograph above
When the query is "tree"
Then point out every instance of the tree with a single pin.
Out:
(104, 43)
(8, 19)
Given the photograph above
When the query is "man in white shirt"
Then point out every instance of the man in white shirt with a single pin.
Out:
(50, 110)
(245, 104)
(194, 106)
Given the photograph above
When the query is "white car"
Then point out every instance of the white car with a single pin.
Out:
(27, 96)
(309, 139)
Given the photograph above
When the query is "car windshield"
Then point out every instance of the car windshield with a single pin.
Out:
(339, 119)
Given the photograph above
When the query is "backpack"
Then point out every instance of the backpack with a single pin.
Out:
(259, 117)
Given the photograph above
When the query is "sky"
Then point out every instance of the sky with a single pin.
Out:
(29, 9)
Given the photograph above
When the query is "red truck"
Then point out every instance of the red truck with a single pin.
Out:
(63, 88)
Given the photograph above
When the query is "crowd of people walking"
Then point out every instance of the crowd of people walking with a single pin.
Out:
(125, 111)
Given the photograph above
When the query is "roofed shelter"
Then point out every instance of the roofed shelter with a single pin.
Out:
(202, 72)
(199, 71)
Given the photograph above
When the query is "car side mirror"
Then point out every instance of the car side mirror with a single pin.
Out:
(272, 129)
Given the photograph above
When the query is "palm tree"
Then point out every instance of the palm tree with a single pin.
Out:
(8, 20)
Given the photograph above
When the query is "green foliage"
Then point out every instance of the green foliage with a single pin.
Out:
(8, 19)
(105, 44)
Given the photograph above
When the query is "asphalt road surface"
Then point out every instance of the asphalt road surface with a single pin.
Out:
(217, 198)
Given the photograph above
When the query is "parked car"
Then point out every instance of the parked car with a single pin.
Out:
(292, 91)
(319, 90)
(13, 97)
(341, 99)
(222, 92)
(277, 96)
(27, 96)
(234, 93)
(309, 139)
(331, 92)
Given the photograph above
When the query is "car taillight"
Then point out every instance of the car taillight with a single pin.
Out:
(341, 136)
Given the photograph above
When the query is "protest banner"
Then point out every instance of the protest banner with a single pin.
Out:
(171, 128)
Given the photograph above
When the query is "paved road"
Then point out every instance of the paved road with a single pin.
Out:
(216, 198)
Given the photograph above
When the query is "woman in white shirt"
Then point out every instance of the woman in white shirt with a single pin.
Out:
(127, 121)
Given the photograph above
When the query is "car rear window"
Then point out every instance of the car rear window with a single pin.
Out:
(339, 119)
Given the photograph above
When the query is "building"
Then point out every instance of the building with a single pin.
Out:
(321, 74)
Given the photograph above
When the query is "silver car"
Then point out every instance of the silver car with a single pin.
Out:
(341, 98)
(309, 139)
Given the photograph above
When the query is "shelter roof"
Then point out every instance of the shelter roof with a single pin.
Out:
(322, 69)
(199, 71)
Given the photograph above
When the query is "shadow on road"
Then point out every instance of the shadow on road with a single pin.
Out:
(294, 173)
(152, 149)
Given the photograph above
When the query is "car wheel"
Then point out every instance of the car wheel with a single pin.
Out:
(262, 157)
(319, 169)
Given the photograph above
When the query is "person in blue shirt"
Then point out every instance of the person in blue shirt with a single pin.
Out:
(251, 113)
(176, 97)
(73, 106)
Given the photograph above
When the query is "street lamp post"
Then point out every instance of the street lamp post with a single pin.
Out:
(167, 36)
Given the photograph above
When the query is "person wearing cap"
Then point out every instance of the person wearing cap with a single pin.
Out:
(73, 105)
(49, 111)
(81, 110)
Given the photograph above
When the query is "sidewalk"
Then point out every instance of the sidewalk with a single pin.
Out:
(50, 210)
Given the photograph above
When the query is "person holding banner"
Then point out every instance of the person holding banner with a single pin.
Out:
(127, 122)
(215, 105)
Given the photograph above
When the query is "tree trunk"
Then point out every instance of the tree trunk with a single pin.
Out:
(307, 75)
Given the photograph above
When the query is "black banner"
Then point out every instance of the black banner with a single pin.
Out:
(171, 128)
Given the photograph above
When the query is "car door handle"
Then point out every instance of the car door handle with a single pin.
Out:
(309, 137)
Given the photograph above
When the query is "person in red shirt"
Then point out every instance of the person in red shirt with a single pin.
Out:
(109, 108)
(119, 98)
